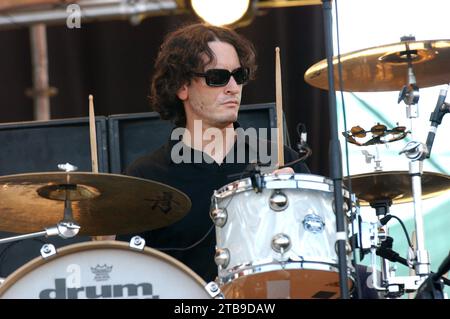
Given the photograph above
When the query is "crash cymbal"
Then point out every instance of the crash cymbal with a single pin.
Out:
(396, 186)
(385, 68)
(102, 204)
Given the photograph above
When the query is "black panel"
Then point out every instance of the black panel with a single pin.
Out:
(40, 146)
(134, 135)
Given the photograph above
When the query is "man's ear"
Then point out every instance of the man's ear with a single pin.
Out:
(182, 92)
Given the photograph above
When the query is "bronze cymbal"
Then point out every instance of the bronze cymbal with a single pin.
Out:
(396, 186)
(385, 68)
(102, 204)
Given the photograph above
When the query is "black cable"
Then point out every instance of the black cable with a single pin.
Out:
(404, 230)
(190, 246)
(389, 254)
(386, 219)
(246, 170)
(290, 164)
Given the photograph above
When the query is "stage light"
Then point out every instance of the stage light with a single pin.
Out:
(222, 12)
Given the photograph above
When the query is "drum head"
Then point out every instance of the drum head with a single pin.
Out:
(104, 269)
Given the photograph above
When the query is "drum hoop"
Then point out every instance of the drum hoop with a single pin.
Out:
(93, 245)
(277, 266)
(291, 181)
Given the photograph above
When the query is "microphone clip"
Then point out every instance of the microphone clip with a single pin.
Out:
(303, 148)
(438, 114)
(253, 171)
(256, 177)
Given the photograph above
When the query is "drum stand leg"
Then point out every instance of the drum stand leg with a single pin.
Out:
(422, 260)
(416, 152)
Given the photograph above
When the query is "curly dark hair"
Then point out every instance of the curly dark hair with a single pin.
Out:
(180, 56)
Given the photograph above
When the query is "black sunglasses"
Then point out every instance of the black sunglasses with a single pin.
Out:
(220, 77)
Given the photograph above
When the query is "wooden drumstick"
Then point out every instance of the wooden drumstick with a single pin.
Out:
(93, 135)
(279, 106)
(94, 158)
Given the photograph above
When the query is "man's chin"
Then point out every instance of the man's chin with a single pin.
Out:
(232, 119)
(225, 122)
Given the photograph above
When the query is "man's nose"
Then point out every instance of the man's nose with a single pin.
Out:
(232, 87)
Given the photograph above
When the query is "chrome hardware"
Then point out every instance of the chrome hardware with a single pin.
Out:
(219, 216)
(278, 201)
(48, 250)
(222, 257)
(281, 243)
(137, 243)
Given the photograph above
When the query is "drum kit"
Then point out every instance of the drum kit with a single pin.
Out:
(276, 240)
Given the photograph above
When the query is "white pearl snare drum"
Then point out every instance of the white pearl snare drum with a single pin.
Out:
(279, 242)
(104, 269)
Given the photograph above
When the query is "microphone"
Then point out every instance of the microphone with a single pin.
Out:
(436, 118)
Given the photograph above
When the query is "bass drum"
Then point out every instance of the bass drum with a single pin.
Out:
(107, 270)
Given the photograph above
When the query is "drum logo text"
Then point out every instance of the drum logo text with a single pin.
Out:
(61, 291)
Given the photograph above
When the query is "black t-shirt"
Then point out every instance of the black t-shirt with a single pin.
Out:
(191, 240)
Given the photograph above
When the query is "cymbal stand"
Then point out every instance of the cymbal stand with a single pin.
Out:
(416, 152)
(66, 228)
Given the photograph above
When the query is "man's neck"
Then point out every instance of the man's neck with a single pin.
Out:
(216, 142)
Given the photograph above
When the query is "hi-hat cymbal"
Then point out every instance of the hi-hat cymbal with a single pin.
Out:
(102, 204)
(385, 68)
(395, 186)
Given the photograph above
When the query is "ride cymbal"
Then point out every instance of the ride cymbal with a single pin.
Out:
(102, 204)
(395, 186)
(385, 68)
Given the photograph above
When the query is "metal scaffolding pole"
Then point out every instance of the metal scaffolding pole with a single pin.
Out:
(41, 92)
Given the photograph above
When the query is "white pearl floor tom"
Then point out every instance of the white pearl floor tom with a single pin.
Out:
(107, 270)
(280, 242)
